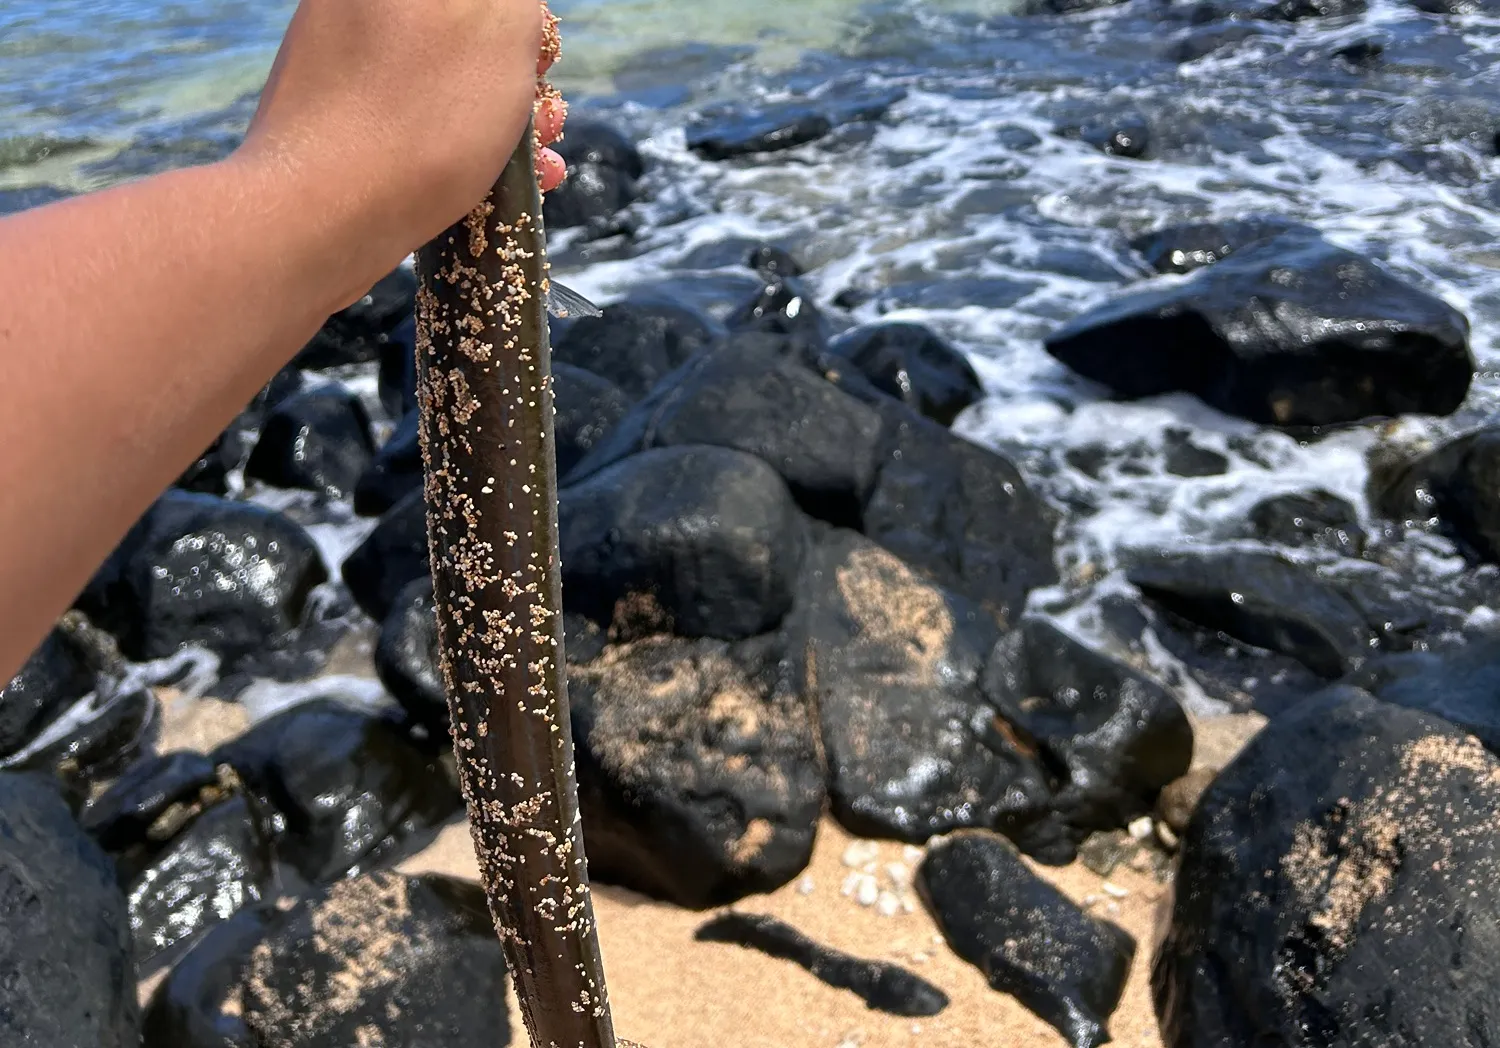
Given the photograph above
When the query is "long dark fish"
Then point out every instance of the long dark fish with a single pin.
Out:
(485, 390)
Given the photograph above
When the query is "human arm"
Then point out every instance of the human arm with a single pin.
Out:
(136, 322)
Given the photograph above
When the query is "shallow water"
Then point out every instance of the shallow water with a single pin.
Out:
(963, 208)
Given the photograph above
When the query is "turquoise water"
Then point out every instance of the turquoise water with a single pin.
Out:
(80, 79)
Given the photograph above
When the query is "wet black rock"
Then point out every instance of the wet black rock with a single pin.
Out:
(1064, 7)
(397, 378)
(1313, 518)
(406, 657)
(114, 729)
(353, 789)
(231, 576)
(219, 862)
(784, 306)
(1339, 885)
(603, 167)
(747, 395)
(390, 557)
(1454, 7)
(1262, 599)
(912, 748)
(1455, 486)
(699, 780)
(1028, 938)
(1291, 331)
(187, 1010)
(1297, 10)
(1197, 41)
(377, 959)
(210, 473)
(358, 333)
(710, 536)
(1119, 735)
(58, 674)
(913, 364)
(318, 440)
(857, 458)
(959, 513)
(1460, 686)
(634, 344)
(1127, 135)
(393, 473)
(1184, 248)
(1183, 458)
(66, 973)
(121, 816)
(883, 987)
(588, 407)
(1362, 54)
(768, 260)
(733, 133)
(439, 979)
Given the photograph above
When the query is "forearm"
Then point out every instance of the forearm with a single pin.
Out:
(135, 324)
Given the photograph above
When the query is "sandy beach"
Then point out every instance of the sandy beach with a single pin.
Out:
(669, 991)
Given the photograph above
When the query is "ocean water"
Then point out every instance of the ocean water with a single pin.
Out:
(963, 208)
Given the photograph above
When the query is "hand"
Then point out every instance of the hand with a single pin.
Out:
(402, 112)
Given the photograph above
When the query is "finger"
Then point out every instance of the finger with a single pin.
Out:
(551, 113)
(550, 170)
(551, 41)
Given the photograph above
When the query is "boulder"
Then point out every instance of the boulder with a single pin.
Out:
(710, 536)
(1315, 519)
(635, 343)
(67, 977)
(911, 363)
(1121, 134)
(603, 167)
(1339, 885)
(1461, 686)
(358, 333)
(1290, 331)
(383, 959)
(353, 790)
(912, 748)
(390, 558)
(588, 407)
(961, 514)
(374, 960)
(57, 675)
(397, 377)
(1028, 938)
(1456, 487)
(114, 728)
(394, 472)
(957, 511)
(218, 862)
(784, 306)
(748, 395)
(1120, 736)
(195, 568)
(317, 440)
(1262, 599)
(735, 132)
(1183, 458)
(406, 657)
(122, 816)
(210, 473)
(698, 779)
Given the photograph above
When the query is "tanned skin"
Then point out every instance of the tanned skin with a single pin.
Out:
(136, 322)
